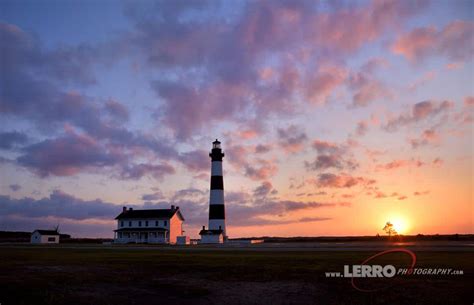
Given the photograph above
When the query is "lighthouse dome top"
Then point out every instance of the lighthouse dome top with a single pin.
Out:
(216, 144)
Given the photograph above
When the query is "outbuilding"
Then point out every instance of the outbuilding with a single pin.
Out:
(45, 237)
(211, 236)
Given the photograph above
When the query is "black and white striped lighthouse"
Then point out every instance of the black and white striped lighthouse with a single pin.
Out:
(216, 200)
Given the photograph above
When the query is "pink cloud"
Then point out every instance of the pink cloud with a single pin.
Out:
(417, 193)
(229, 75)
(466, 114)
(265, 189)
(373, 64)
(247, 134)
(325, 146)
(292, 138)
(332, 155)
(469, 101)
(428, 137)
(321, 84)
(426, 77)
(236, 155)
(362, 127)
(367, 89)
(262, 148)
(454, 66)
(396, 164)
(453, 41)
(196, 160)
(438, 162)
(360, 25)
(419, 112)
(340, 181)
(381, 195)
(261, 170)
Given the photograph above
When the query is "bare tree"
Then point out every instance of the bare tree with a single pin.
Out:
(389, 229)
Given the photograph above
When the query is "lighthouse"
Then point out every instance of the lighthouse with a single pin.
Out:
(216, 232)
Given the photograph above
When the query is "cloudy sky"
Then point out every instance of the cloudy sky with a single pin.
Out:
(334, 116)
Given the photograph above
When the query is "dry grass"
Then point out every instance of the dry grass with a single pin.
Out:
(41, 275)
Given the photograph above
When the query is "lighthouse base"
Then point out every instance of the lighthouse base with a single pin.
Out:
(212, 236)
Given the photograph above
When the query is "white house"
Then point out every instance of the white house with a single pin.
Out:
(45, 237)
(149, 226)
(211, 236)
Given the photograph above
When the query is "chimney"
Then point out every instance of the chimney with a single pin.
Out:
(130, 209)
(204, 227)
(124, 209)
(177, 207)
(172, 207)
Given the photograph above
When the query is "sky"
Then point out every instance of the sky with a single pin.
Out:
(334, 116)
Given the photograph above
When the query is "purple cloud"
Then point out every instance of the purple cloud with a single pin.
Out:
(265, 189)
(67, 155)
(15, 187)
(137, 171)
(341, 181)
(331, 155)
(12, 139)
(453, 41)
(219, 68)
(291, 139)
(419, 112)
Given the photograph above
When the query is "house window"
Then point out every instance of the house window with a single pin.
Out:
(165, 223)
(120, 235)
(146, 223)
(51, 239)
(121, 223)
(140, 223)
(129, 223)
(156, 223)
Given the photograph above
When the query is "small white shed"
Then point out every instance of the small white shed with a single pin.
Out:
(183, 240)
(211, 236)
(45, 237)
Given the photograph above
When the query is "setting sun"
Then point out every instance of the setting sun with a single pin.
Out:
(400, 225)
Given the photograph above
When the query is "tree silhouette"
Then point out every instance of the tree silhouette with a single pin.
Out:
(389, 229)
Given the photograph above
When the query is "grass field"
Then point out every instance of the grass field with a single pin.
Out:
(82, 275)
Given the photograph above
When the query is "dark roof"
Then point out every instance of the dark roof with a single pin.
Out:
(47, 232)
(141, 230)
(211, 232)
(143, 214)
